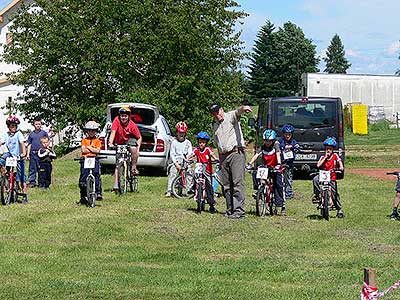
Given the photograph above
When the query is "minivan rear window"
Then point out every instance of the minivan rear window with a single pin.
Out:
(142, 116)
(305, 115)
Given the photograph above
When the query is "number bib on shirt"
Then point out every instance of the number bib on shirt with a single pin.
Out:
(324, 176)
(11, 161)
(198, 168)
(89, 163)
(288, 155)
(262, 173)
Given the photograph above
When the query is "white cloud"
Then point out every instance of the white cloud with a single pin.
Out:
(394, 48)
(351, 53)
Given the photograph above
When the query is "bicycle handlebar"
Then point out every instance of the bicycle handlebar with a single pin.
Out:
(397, 173)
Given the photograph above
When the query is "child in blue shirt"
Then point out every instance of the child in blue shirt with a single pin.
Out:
(289, 147)
(15, 143)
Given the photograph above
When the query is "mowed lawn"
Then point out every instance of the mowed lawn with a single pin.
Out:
(146, 246)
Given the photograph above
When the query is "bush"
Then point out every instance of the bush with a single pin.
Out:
(380, 126)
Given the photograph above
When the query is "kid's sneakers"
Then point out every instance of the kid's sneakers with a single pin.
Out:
(394, 216)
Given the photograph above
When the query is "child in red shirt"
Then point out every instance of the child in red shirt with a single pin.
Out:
(329, 162)
(271, 154)
(205, 155)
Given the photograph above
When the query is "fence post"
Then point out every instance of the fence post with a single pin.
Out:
(370, 276)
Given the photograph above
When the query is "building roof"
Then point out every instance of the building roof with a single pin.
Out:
(8, 7)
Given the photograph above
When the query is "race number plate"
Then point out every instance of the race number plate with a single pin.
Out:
(324, 176)
(11, 161)
(89, 163)
(262, 173)
(288, 155)
(198, 168)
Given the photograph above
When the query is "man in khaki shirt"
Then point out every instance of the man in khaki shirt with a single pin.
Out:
(229, 140)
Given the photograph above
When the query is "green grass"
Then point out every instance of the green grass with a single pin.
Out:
(145, 246)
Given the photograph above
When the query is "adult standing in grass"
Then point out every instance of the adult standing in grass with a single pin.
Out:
(33, 148)
(228, 138)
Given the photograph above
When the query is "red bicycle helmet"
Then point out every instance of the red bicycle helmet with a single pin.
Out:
(12, 120)
(181, 127)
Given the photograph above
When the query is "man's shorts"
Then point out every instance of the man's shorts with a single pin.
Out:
(132, 142)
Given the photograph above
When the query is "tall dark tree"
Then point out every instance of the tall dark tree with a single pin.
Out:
(335, 59)
(279, 59)
(77, 56)
(260, 82)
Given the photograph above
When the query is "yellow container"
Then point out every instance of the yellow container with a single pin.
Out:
(359, 117)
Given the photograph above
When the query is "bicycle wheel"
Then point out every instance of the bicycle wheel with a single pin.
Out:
(4, 185)
(122, 178)
(90, 191)
(325, 205)
(199, 197)
(261, 204)
(179, 188)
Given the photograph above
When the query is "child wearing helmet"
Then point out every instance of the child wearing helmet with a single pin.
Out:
(14, 140)
(90, 147)
(205, 155)
(180, 149)
(289, 147)
(271, 154)
(329, 162)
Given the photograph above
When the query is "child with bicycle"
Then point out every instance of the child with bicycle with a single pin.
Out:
(329, 162)
(90, 147)
(14, 140)
(180, 149)
(396, 201)
(46, 156)
(271, 154)
(205, 155)
(289, 147)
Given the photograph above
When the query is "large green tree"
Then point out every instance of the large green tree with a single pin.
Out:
(77, 56)
(279, 59)
(335, 59)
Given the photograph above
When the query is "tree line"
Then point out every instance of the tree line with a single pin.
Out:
(78, 56)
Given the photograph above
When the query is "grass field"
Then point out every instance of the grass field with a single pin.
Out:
(145, 246)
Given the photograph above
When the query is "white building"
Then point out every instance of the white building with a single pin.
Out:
(9, 91)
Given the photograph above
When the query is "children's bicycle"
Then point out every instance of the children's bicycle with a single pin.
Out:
(126, 178)
(9, 187)
(328, 193)
(90, 163)
(265, 191)
(180, 185)
(200, 179)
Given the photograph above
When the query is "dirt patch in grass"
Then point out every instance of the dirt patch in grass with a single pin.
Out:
(373, 172)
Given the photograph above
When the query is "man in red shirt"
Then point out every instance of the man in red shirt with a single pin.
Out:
(125, 132)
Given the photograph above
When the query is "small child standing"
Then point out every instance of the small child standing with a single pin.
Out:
(46, 156)
(180, 148)
(90, 147)
(289, 147)
(205, 155)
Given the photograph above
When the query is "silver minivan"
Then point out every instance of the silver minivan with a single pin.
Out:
(155, 130)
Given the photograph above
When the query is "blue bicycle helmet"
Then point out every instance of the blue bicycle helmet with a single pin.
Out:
(269, 134)
(330, 141)
(288, 128)
(203, 135)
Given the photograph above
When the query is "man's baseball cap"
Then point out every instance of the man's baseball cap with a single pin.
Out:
(214, 108)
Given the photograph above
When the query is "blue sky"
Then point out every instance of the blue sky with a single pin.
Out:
(369, 30)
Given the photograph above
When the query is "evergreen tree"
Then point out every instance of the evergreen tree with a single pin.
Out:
(335, 59)
(279, 59)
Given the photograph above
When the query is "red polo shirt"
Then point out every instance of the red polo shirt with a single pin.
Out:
(124, 132)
